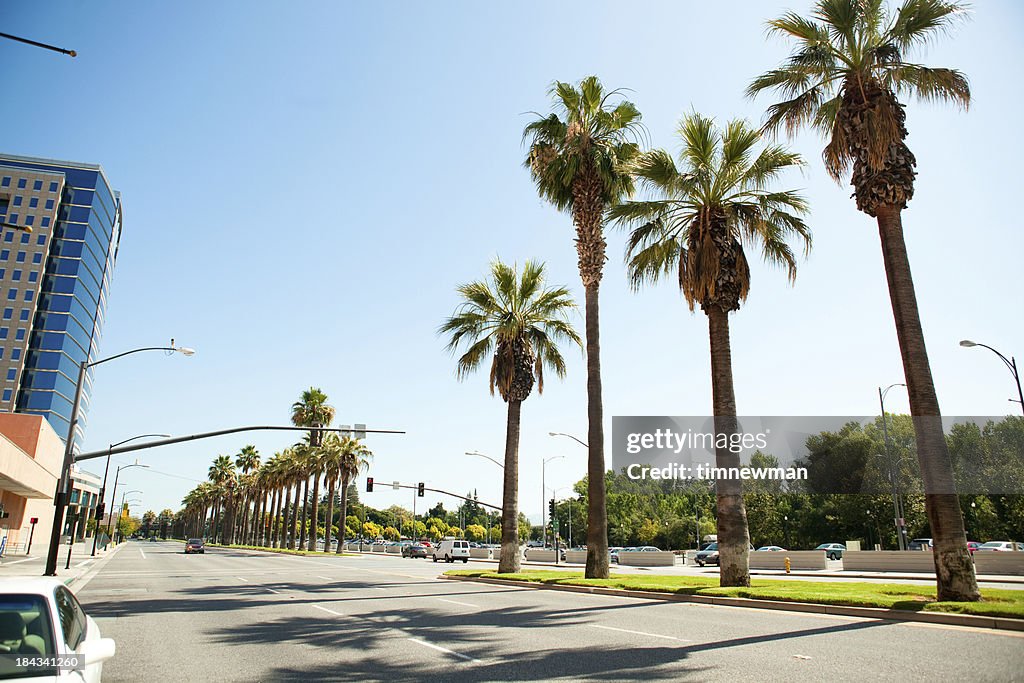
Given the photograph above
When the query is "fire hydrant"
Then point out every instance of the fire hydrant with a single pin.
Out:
(787, 565)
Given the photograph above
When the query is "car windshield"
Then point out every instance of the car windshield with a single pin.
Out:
(992, 544)
(24, 630)
(195, 541)
(711, 546)
(824, 546)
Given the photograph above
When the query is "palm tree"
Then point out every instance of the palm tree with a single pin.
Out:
(695, 229)
(331, 454)
(843, 80)
(355, 457)
(312, 409)
(220, 473)
(579, 162)
(247, 460)
(515, 322)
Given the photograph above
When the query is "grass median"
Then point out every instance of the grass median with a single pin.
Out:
(996, 602)
(281, 551)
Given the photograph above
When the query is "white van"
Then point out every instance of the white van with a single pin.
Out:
(451, 549)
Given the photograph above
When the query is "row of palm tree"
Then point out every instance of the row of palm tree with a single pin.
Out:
(275, 503)
(843, 79)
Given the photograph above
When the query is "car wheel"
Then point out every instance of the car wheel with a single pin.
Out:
(435, 558)
(465, 560)
(447, 559)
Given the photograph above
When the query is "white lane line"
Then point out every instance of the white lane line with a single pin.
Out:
(82, 564)
(273, 591)
(17, 561)
(241, 579)
(444, 649)
(456, 602)
(325, 578)
(640, 633)
(378, 588)
(142, 553)
(329, 611)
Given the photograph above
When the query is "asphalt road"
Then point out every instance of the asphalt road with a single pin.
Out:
(242, 616)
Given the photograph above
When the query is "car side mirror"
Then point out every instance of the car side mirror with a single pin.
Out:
(94, 651)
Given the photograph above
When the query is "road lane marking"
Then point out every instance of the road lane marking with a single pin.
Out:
(241, 579)
(456, 602)
(325, 578)
(329, 611)
(82, 564)
(640, 633)
(17, 561)
(445, 650)
(273, 591)
(142, 553)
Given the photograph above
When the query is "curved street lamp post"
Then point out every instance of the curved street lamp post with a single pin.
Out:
(1011, 364)
(103, 489)
(60, 498)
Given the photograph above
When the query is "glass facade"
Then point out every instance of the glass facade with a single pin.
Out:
(75, 219)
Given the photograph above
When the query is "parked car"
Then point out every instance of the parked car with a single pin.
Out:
(615, 555)
(972, 546)
(709, 555)
(921, 544)
(40, 616)
(451, 549)
(414, 550)
(195, 545)
(770, 549)
(833, 551)
(1000, 546)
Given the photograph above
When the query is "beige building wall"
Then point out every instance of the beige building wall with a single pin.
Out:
(31, 454)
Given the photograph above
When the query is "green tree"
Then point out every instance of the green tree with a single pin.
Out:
(476, 532)
(579, 160)
(843, 79)
(516, 322)
(694, 230)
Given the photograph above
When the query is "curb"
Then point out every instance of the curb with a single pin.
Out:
(944, 618)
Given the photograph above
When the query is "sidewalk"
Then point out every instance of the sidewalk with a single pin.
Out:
(82, 561)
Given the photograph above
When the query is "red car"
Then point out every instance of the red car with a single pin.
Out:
(195, 545)
(972, 546)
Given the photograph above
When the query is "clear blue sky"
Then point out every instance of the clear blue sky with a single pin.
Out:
(306, 183)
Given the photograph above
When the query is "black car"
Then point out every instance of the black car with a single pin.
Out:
(195, 545)
(414, 550)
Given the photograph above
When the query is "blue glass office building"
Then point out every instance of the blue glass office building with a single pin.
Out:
(54, 282)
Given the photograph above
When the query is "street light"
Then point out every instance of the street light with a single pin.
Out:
(477, 453)
(896, 503)
(582, 443)
(113, 491)
(103, 489)
(120, 510)
(543, 498)
(554, 494)
(63, 484)
(1011, 364)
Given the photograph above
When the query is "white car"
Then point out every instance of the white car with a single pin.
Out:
(451, 549)
(1000, 546)
(42, 621)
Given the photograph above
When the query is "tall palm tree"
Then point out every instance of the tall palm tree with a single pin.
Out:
(331, 455)
(515, 322)
(247, 460)
(220, 473)
(843, 79)
(312, 408)
(355, 457)
(694, 229)
(579, 158)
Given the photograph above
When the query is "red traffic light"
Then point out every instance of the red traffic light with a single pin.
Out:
(369, 484)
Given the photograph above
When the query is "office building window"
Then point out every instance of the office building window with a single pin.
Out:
(11, 374)
(1, 353)
(37, 185)
(33, 276)
(45, 223)
(16, 354)
(20, 258)
(29, 294)
(20, 334)
(5, 254)
(22, 183)
(3, 272)
(37, 258)
(53, 187)
(7, 395)
(25, 311)
(9, 236)
(6, 182)
(41, 240)
(12, 294)
(3, 332)
(33, 202)
(17, 201)
(13, 218)
(24, 235)
(49, 204)
(8, 313)
(16, 275)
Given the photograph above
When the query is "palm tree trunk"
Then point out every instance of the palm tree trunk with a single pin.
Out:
(508, 563)
(314, 513)
(344, 512)
(597, 513)
(286, 518)
(305, 512)
(276, 523)
(733, 537)
(243, 531)
(330, 515)
(954, 570)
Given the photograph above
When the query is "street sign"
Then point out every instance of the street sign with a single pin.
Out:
(395, 485)
(360, 431)
(34, 520)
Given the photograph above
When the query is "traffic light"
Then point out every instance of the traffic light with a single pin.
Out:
(101, 510)
(420, 489)
(369, 484)
(551, 509)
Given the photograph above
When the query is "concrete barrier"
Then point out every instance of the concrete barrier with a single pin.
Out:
(690, 558)
(988, 562)
(540, 555)
(575, 556)
(638, 558)
(798, 559)
(393, 549)
(480, 553)
(888, 561)
(377, 549)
